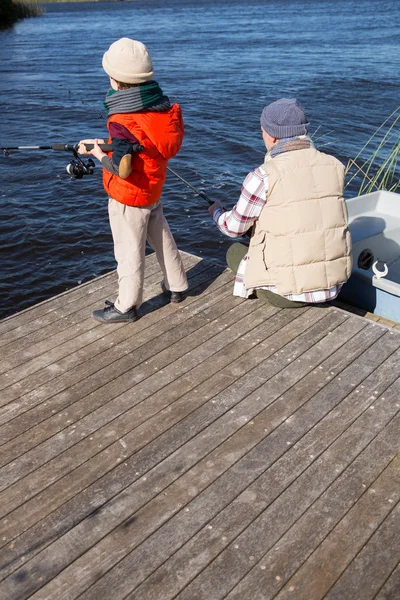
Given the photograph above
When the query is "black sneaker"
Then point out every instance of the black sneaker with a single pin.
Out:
(174, 297)
(110, 314)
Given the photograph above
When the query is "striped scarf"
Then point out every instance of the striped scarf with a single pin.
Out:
(146, 97)
(287, 144)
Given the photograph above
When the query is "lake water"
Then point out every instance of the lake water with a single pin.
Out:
(222, 61)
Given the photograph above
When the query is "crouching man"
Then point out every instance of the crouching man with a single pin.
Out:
(300, 245)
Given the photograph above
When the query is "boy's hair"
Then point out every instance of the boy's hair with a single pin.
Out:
(126, 86)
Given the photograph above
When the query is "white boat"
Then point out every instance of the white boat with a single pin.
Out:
(374, 222)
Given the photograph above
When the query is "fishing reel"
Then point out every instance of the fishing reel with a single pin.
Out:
(77, 167)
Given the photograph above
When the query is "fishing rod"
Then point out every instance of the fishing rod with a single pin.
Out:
(195, 190)
(67, 147)
(77, 167)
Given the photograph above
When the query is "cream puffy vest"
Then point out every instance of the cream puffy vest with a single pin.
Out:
(301, 242)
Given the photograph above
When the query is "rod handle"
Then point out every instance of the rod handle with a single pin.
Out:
(136, 147)
(71, 147)
(104, 147)
(206, 198)
(66, 147)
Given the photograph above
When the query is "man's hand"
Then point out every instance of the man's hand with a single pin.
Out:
(212, 207)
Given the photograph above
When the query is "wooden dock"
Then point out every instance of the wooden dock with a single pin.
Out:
(215, 449)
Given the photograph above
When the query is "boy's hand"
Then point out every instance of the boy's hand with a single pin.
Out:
(82, 147)
(97, 151)
(95, 142)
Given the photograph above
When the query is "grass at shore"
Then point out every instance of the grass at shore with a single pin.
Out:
(376, 166)
(12, 11)
(59, 1)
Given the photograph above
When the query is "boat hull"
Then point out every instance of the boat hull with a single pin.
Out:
(374, 222)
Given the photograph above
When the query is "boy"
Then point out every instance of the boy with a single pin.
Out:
(140, 117)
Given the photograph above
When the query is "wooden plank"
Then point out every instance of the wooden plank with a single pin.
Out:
(53, 321)
(84, 405)
(106, 337)
(185, 487)
(126, 476)
(213, 538)
(206, 339)
(370, 569)
(49, 338)
(144, 388)
(97, 372)
(321, 570)
(92, 374)
(391, 589)
(285, 501)
(71, 333)
(77, 315)
(23, 351)
(292, 542)
(226, 526)
(190, 436)
(201, 387)
(82, 291)
(72, 295)
(17, 327)
(67, 323)
(120, 343)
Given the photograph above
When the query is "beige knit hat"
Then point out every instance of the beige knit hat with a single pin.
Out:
(128, 61)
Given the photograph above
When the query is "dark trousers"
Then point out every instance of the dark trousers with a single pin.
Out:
(233, 257)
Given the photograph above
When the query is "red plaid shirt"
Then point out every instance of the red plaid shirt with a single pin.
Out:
(234, 223)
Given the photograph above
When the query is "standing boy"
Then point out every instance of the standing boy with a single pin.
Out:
(139, 116)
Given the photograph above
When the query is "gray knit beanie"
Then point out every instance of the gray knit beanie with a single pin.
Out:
(284, 118)
(128, 61)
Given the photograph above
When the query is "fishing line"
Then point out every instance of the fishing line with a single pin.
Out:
(74, 95)
(77, 167)
(189, 185)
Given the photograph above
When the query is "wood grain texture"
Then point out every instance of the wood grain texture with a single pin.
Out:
(215, 449)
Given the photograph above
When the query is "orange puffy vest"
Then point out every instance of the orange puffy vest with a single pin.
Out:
(161, 134)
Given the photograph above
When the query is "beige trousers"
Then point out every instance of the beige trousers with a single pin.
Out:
(130, 227)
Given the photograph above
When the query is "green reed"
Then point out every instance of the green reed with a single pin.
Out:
(11, 11)
(376, 165)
